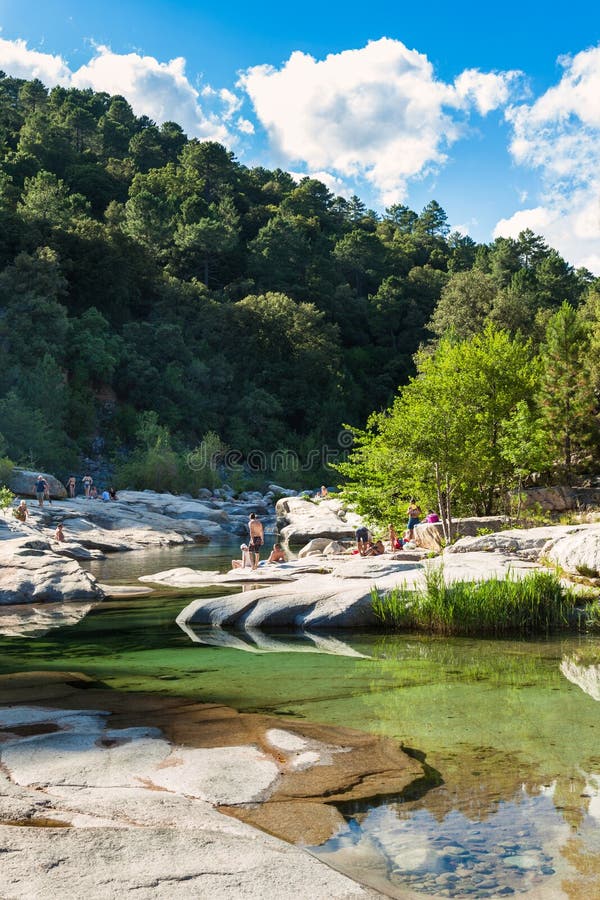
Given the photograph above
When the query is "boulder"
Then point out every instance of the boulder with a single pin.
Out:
(578, 553)
(299, 520)
(22, 482)
(524, 543)
(550, 499)
(335, 548)
(31, 573)
(317, 545)
(279, 491)
(429, 536)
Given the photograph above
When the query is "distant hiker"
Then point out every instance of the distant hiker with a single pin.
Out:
(71, 483)
(87, 482)
(59, 534)
(257, 538)
(21, 512)
(112, 493)
(414, 517)
(277, 555)
(41, 487)
(246, 560)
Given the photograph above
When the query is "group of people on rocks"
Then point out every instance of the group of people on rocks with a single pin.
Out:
(366, 546)
(251, 551)
(42, 494)
(89, 489)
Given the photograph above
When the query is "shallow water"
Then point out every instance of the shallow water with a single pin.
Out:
(513, 800)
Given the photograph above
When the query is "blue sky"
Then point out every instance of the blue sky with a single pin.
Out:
(493, 110)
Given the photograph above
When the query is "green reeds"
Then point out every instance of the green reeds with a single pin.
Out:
(535, 604)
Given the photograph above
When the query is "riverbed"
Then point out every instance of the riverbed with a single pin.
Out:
(511, 802)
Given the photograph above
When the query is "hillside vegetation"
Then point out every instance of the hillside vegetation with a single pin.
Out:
(153, 290)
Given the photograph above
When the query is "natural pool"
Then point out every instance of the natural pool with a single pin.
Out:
(513, 804)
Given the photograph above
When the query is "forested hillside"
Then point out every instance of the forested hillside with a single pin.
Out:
(142, 271)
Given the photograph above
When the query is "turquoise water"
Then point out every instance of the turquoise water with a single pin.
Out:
(511, 742)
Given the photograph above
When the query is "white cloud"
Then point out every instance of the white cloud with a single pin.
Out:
(156, 89)
(559, 135)
(378, 112)
(18, 60)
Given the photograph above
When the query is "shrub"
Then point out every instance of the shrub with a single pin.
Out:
(537, 603)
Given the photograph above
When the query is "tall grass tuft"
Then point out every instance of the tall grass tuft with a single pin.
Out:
(535, 604)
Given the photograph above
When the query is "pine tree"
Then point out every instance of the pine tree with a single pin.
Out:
(566, 397)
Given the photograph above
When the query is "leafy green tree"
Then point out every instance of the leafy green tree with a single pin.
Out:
(465, 304)
(443, 437)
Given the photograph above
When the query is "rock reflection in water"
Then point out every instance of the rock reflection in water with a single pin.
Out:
(584, 674)
(396, 846)
(34, 620)
(253, 640)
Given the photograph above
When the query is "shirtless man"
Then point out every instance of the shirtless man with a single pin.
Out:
(277, 554)
(257, 538)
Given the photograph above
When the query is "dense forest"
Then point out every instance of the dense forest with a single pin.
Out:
(153, 290)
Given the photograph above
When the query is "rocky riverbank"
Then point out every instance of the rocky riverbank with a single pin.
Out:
(125, 795)
(321, 592)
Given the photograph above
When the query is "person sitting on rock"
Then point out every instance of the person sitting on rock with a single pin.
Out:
(59, 533)
(245, 562)
(112, 493)
(277, 555)
(93, 495)
(105, 495)
(432, 516)
(21, 512)
(375, 549)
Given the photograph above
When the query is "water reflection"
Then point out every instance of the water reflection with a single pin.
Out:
(510, 851)
(583, 673)
(253, 640)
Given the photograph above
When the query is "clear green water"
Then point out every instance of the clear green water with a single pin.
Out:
(515, 743)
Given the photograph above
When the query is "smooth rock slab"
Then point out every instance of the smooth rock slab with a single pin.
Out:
(163, 864)
(31, 573)
(578, 553)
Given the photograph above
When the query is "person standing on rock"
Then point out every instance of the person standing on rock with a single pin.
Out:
(362, 539)
(59, 534)
(257, 538)
(87, 482)
(41, 489)
(414, 517)
(71, 486)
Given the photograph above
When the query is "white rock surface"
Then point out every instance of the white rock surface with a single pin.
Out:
(527, 543)
(127, 836)
(578, 552)
(300, 520)
(31, 573)
(340, 596)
